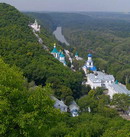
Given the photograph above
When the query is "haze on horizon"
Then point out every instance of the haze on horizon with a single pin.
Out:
(71, 5)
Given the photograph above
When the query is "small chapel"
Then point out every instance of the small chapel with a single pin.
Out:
(35, 26)
(77, 56)
(58, 55)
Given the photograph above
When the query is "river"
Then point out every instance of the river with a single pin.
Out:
(59, 36)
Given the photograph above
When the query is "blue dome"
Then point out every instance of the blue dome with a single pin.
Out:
(89, 55)
(93, 68)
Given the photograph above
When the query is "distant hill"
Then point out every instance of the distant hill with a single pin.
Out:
(108, 15)
(45, 19)
(54, 19)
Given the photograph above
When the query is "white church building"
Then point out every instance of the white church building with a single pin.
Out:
(100, 79)
(35, 26)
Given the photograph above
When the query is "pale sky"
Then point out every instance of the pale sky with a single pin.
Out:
(71, 5)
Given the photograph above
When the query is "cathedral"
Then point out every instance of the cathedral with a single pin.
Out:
(58, 55)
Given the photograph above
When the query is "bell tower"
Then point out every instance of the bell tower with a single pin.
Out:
(89, 63)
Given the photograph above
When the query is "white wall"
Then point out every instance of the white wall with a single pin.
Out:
(94, 84)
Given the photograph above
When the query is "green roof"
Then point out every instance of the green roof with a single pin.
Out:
(54, 50)
(62, 55)
(76, 54)
(116, 82)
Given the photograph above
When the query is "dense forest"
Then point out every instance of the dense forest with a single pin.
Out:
(20, 47)
(108, 40)
(105, 35)
(27, 111)
(30, 75)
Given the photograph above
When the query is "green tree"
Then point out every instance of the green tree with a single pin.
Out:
(121, 101)
(85, 102)
(23, 111)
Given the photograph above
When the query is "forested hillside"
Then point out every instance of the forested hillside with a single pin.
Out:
(20, 47)
(105, 35)
(108, 40)
(24, 109)
(27, 111)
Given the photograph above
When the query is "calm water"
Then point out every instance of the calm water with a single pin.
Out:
(59, 36)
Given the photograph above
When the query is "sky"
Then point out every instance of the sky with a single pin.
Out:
(71, 5)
